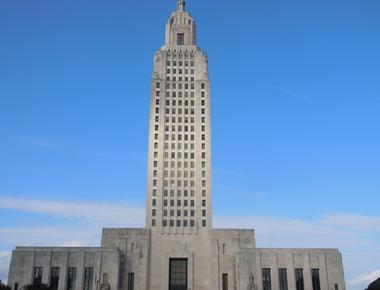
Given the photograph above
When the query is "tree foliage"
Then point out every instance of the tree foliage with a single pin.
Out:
(36, 287)
(3, 286)
(375, 285)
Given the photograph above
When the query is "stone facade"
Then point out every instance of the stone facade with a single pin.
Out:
(178, 249)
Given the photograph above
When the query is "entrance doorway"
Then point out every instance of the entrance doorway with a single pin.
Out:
(178, 274)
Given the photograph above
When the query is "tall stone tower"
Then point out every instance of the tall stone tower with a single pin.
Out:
(178, 249)
(179, 163)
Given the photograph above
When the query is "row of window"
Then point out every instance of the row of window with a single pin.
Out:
(179, 203)
(185, 174)
(181, 223)
(178, 155)
(158, 85)
(186, 146)
(179, 71)
(179, 128)
(179, 193)
(180, 111)
(178, 183)
(70, 277)
(179, 164)
(180, 94)
(178, 213)
(283, 279)
(180, 63)
(179, 137)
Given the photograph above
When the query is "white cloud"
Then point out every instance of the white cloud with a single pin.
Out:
(5, 258)
(102, 214)
(51, 236)
(365, 279)
(357, 236)
(353, 221)
(34, 141)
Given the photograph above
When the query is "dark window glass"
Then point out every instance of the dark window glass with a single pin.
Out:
(180, 39)
(88, 277)
(224, 281)
(266, 279)
(299, 279)
(336, 286)
(16, 286)
(178, 274)
(54, 278)
(131, 281)
(283, 277)
(315, 279)
(71, 278)
(37, 275)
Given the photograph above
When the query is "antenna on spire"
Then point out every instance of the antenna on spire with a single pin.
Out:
(181, 4)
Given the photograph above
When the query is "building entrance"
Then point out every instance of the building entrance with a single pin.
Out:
(178, 274)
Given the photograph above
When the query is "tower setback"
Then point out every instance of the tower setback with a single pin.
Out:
(178, 249)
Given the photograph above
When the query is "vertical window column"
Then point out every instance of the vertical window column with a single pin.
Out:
(315, 279)
(267, 284)
(131, 281)
(224, 281)
(299, 279)
(54, 278)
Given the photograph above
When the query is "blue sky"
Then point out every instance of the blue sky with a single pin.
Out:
(295, 120)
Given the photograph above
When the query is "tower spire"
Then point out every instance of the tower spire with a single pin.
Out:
(181, 4)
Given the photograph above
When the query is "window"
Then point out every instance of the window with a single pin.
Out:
(88, 277)
(315, 279)
(204, 223)
(299, 279)
(266, 279)
(54, 278)
(283, 278)
(336, 287)
(71, 278)
(177, 274)
(224, 281)
(180, 39)
(37, 276)
(131, 281)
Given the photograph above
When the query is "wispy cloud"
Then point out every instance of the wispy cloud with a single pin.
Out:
(75, 235)
(5, 258)
(366, 278)
(357, 236)
(36, 142)
(101, 214)
(293, 94)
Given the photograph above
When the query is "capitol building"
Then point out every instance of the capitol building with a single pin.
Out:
(178, 249)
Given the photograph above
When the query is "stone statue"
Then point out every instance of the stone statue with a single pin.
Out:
(251, 283)
(105, 285)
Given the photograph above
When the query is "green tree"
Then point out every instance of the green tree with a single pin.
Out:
(375, 285)
(36, 287)
(3, 286)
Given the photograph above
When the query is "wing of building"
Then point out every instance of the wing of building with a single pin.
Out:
(178, 249)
